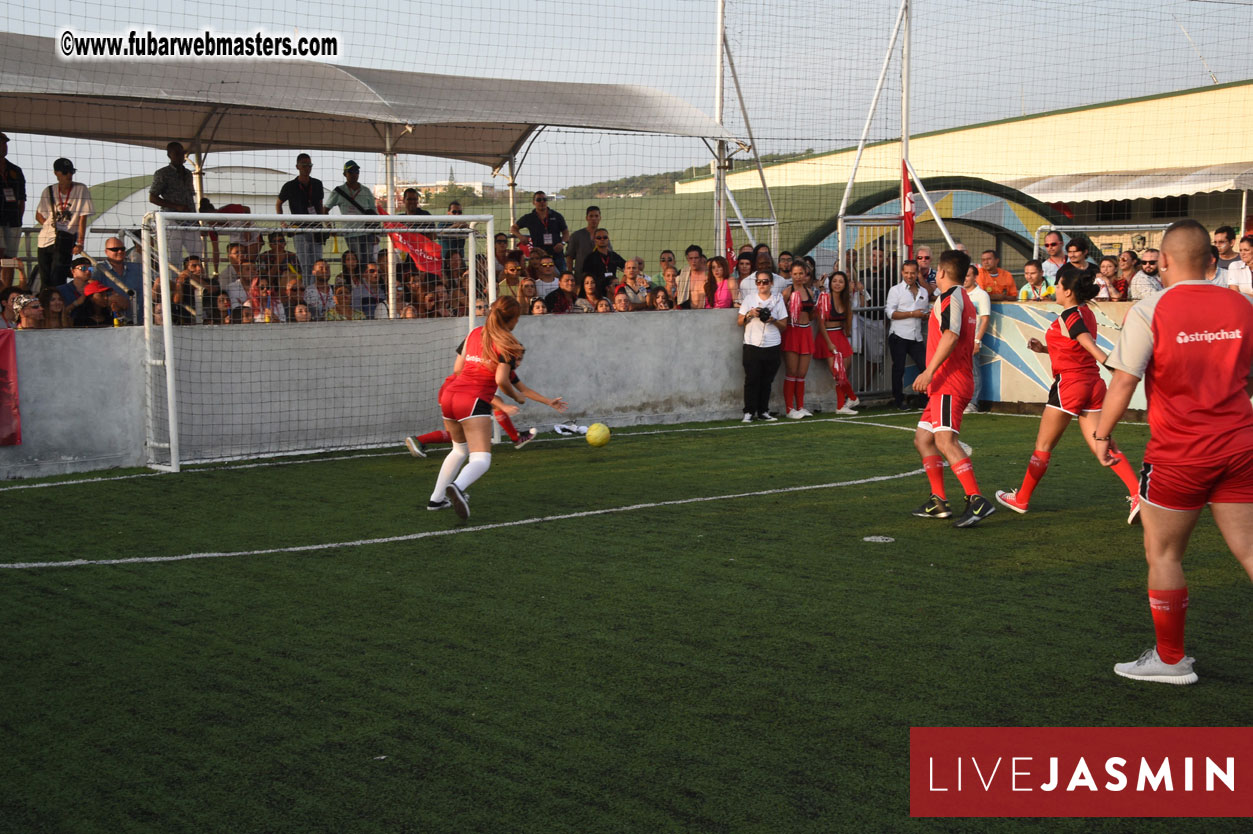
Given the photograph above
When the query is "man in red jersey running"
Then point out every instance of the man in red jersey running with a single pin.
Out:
(949, 384)
(1192, 344)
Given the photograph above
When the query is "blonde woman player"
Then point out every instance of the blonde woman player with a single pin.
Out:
(484, 364)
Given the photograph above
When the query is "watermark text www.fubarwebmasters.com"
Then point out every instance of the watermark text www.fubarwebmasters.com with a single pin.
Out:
(148, 44)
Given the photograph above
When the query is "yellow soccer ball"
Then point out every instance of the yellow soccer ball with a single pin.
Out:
(597, 434)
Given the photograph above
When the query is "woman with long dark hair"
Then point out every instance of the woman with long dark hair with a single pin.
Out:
(1078, 390)
(834, 315)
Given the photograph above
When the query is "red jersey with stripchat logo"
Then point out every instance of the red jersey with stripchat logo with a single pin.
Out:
(1192, 344)
(953, 311)
(478, 374)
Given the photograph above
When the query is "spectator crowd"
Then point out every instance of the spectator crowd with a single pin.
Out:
(285, 276)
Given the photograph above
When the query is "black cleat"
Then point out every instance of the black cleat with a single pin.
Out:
(936, 507)
(977, 509)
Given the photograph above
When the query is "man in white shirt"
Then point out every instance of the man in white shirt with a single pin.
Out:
(906, 310)
(983, 313)
(1056, 256)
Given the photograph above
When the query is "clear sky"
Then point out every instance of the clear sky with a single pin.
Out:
(807, 68)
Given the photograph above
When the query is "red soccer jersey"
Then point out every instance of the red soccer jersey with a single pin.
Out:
(478, 375)
(1062, 337)
(953, 310)
(1192, 344)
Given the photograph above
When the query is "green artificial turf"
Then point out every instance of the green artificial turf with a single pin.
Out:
(740, 664)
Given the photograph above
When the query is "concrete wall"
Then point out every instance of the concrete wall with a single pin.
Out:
(82, 402)
(272, 389)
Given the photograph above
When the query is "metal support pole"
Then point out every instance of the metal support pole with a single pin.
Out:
(1244, 213)
(908, 253)
(874, 105)
(720, 173)
(926, 198)
(761, 172)
(513, 197)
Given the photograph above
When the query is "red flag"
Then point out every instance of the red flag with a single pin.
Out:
(427, 254)
(10, 418)
(730, 245)
(907, 211)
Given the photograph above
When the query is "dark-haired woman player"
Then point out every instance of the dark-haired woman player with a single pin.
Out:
(484, 364)
(1078, 390)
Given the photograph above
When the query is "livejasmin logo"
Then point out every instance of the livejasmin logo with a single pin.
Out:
(1020, 770)
(1081, 772)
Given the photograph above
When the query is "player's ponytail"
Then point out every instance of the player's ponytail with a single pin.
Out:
(498, 340)
(1081, 282)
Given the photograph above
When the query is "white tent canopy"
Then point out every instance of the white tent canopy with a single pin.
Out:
(1137, 185)
(251, 105)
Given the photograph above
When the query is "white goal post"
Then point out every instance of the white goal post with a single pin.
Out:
(304, 382)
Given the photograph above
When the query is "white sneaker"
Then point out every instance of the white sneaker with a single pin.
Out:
(1149, 667)
(748, 417)
(415, 448)
(459, 500)
(794, 415)
(846, 409)
(564, 429)
(970, 409)
(854, 402)
(805, 412)
(525, 438)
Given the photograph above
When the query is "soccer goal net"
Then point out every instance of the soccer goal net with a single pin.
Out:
(272, 335)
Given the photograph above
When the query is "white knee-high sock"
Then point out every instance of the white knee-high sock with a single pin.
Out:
(473, 470)
(448, 471)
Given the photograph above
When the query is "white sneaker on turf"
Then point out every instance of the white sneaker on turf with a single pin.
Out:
(415, 448)
(1133, 517)
(804, 412)
(564, 429)
(854, 402)
(1150, 667)
(459, 500)
(970, 409)
(793, 414)
(748, 417)
(525, 438)
(845, 409)
(966, 447)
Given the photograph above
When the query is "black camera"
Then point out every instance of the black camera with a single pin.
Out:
(763, 313)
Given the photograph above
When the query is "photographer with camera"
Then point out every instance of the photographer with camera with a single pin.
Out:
(764, 318)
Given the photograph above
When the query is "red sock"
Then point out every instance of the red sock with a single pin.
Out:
(965, 472)
(800, 393)
(435, 437)
(839, 397)
(1122, 468)
(933, 465)
(506, 424)
(1170, 609)
(789, 391)
(848, 389)
(1036, 468)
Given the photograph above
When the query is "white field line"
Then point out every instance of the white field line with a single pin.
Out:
(455, 531)
(266, 464)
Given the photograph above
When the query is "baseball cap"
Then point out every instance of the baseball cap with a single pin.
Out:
(63, 166)
(87, 262)
(350, 165)
(94, 287)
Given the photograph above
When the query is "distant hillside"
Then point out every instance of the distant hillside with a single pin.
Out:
(650, 185)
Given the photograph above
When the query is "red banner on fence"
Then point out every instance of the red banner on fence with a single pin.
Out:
(1081, 771)
(10, 418)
